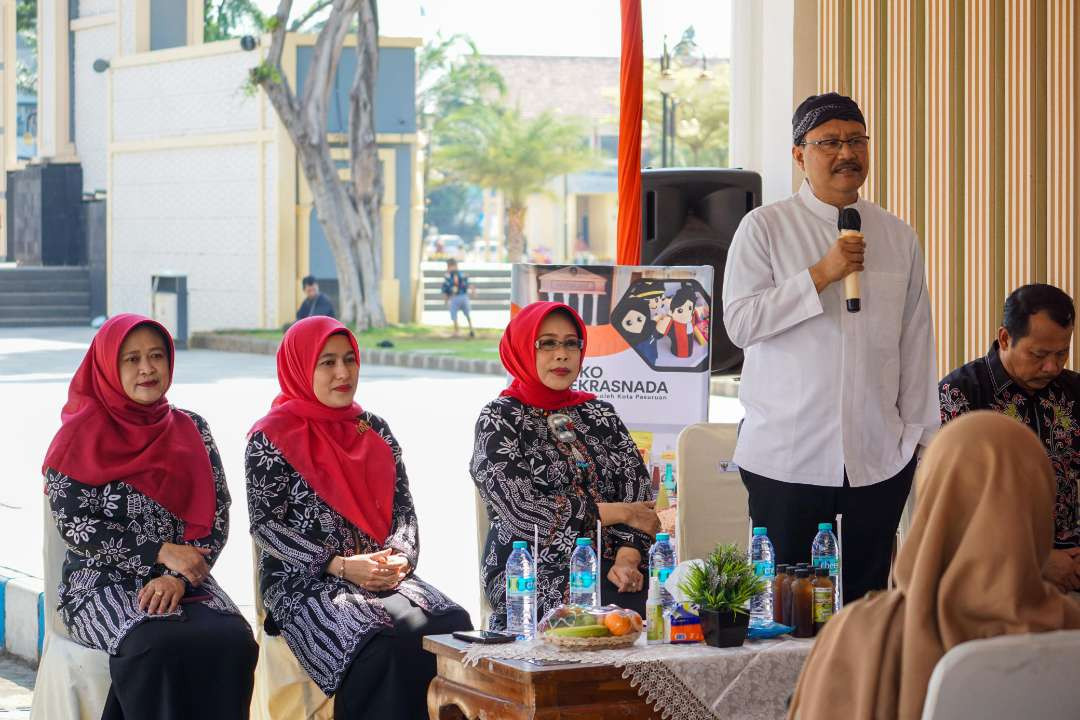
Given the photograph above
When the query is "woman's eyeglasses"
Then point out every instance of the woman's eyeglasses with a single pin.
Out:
(551, 344)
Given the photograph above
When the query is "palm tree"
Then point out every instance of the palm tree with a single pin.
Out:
(495, 147)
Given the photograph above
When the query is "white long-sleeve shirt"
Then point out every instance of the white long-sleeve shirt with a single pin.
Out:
(827, 390)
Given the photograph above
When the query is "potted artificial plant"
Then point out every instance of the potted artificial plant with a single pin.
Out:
(721, 586)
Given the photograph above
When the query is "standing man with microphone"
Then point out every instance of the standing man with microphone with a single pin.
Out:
(826, 293)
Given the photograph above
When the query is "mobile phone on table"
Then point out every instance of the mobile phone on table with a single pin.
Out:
(484, 637)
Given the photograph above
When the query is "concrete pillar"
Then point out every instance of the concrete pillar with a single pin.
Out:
(54, 140)
(773, 68)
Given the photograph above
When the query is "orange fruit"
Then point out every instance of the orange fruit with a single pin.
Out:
(617, 623)
(635, 621)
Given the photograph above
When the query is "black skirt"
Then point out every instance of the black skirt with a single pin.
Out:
(201, 666)
(390, 675)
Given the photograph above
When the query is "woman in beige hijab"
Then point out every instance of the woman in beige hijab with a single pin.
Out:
(970, 569)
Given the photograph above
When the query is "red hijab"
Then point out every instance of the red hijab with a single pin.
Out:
(105, 436)
(348, 465)
(517, 350)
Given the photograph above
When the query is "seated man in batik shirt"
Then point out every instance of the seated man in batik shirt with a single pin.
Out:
(1024, 376)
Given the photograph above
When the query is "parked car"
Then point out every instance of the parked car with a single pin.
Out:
(445, 247)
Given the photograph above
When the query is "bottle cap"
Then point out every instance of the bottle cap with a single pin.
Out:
(582, 542)
(821, 572)
(824, 526)
(781, 569)
(802, 572)
(520, 545)
(759, 531)
(661, 537)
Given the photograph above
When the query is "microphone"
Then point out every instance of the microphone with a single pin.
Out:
(850, 223)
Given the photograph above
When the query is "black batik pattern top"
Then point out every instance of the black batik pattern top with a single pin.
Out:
(1053, 413)
(325, 620)
(114, 534)
(526, 477)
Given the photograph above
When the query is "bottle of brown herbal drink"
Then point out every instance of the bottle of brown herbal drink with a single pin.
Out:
(824, 597)
(781, 588)
(778, 592)
(802, 603)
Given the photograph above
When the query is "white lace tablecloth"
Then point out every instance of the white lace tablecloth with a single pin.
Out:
(688, 682)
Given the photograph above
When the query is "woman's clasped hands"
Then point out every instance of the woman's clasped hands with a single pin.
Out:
(378, 572)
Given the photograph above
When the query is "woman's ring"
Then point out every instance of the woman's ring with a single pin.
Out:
(158, 592)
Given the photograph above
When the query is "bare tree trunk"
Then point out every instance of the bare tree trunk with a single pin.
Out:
(348, 215)
(515, 230)
(367, 186)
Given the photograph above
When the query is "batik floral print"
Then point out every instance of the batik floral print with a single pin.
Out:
(1053, 413)
(528, 479)
(114, 533)
(324, 619)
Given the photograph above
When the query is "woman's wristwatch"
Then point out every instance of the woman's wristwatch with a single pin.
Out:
(341, 568)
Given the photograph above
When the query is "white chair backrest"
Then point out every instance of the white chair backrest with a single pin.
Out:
(483, 524)
(712, 499)
(1029, 677)
(55, 549)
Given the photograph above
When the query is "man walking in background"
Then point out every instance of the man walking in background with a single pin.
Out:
(455, 289)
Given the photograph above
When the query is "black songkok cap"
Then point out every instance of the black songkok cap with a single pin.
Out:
(819, 109)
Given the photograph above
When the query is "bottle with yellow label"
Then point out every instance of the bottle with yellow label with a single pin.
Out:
(824, 593)
(654, 614)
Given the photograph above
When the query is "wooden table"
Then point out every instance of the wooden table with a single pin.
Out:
(517, 689)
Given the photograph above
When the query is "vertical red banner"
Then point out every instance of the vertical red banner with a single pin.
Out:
(628, 249)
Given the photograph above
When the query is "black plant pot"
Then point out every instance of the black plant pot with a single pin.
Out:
(723, 628)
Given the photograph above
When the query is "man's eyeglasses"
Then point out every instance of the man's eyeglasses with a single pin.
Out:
(831, 146)
(551, 344)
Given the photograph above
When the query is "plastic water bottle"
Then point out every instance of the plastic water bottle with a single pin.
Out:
(583, 571)
(521, 592)
(662, 563)
(764, 562)
(823, 553)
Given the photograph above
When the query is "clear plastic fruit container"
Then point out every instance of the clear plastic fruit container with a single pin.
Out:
(584, 627)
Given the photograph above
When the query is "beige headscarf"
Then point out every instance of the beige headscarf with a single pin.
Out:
(971, 568)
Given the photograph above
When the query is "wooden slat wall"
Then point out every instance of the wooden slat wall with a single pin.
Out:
(971, 106)
(1060, 151)
(866, 63)
(942, 175)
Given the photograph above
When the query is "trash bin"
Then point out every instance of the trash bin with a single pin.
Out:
(168, 305)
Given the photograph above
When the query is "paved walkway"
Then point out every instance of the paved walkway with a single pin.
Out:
(16, 688)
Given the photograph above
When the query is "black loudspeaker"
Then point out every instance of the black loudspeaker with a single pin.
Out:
(689, 216)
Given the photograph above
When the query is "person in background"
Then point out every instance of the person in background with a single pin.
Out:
(970, 569)
(456, 290)
(837, 403)
(315, 302)
(1024, 376)
(529, 478)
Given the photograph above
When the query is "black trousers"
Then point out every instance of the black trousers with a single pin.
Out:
(389, 678)
(792, 511)
(200, 667)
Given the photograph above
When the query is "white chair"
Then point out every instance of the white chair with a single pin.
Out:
(483, 524)
(1008, 677)
(713, 506)
(283, 690)
(73, 681)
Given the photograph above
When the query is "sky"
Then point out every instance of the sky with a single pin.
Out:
(554, 27)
